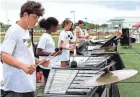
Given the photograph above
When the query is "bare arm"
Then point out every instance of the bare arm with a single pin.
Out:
(74, 42)
(44, 62)
(40, 52)
(86, 37)
(61, 45)
(10, 60)
(78, 33)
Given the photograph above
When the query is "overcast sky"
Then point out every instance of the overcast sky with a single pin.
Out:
(97, 11)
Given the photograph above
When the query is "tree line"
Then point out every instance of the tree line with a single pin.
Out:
(87, 25)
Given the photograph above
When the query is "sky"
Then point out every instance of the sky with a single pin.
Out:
(93, 11)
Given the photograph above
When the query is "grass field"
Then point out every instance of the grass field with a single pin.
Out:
(129, 87)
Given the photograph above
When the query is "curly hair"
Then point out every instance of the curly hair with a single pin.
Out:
(32, 7)
(66, 22)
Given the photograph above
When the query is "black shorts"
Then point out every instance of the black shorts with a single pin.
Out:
(71, 52)
(38, 69)
(15, 94)
(46, 72)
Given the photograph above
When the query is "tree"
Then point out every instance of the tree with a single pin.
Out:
(104, 25)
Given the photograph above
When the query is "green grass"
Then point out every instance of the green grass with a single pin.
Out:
(130, 58)
(131, 61)
(129, 90)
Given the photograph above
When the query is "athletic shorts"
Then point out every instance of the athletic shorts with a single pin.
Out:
(46, 72)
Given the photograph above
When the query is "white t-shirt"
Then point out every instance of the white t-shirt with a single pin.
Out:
(47, 44)
(18, 43)
(70, 34)
(65, 53)
(80, 32)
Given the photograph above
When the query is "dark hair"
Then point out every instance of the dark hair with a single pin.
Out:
(48, 23)
(71, 29)
(66, 22)
(32, 7)
(88, 28)
(80, 22)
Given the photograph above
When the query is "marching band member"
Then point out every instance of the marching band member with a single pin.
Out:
(18, 59)
(64, 43)
(46, 45)
(78, 32)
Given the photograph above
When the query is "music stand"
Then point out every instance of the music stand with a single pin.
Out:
(108, 42)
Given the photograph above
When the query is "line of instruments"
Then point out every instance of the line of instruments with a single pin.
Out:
(93, 72)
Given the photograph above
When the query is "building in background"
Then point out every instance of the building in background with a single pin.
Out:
(126, 22)
(123, 22)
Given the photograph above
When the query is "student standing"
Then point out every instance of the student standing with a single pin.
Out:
(18, 57)
(46, 45)
(64, 43)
